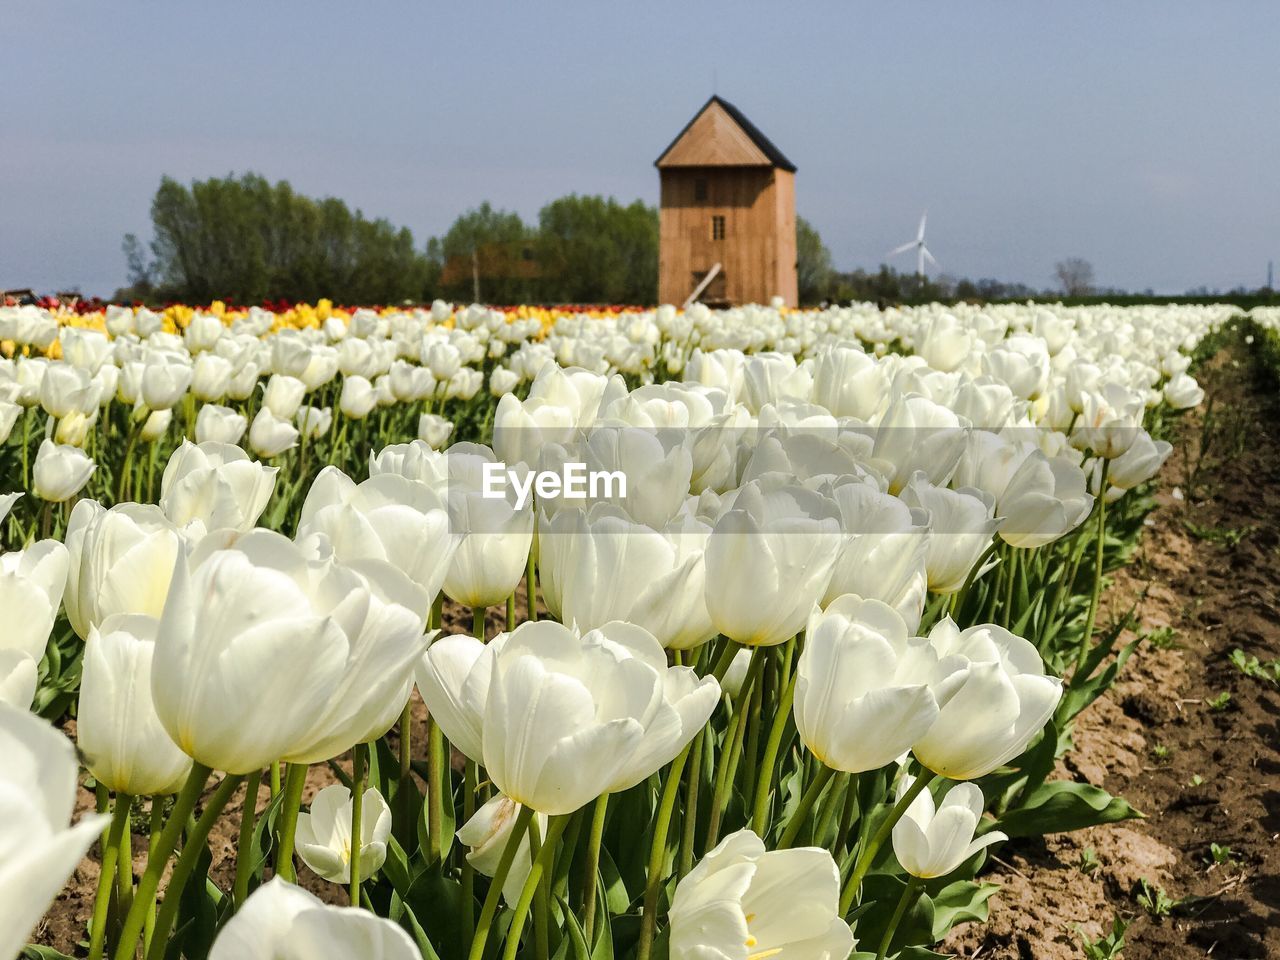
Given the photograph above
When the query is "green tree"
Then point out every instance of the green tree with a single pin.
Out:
(246, 240)
(813, 264)
(486, 255)
(596, 250)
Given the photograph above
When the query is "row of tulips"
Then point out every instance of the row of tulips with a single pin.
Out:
(775, 692)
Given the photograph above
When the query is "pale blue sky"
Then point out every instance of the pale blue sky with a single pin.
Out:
(1143, 136)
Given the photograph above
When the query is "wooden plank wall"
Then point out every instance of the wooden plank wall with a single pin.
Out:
(758, 252)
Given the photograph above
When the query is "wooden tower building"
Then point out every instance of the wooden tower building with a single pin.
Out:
(728, 197)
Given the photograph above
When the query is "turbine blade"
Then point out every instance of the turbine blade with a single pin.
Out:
(928, 256)
(920, 233)
(902, 249)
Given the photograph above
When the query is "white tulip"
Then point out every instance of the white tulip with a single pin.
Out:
(124, 745)
(314, 421)
(324, 836)
(961, 527)
(486, 834)
(220, 425)
(769, 560)
(60, 472)
(1045, 499)
(931, 842)
(993, 698)
(388, 521)
(31, 586)
(861, 697)
(283, 922)
(270, 436)
(743, 901)
(211, 377)
(883, 553)
(358, 399)
(600, 565)
(214, 486)
(18, 675)
(121, 562)
(598, 713)
(434, 430)
(38, 847)
(163, 383)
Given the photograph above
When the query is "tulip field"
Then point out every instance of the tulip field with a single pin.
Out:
(587, 635)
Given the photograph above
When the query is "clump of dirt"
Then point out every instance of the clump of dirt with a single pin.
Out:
(1202, 768)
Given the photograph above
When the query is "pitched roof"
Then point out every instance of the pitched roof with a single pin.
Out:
(763, 154)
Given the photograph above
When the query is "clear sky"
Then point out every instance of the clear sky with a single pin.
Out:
(1143, 136)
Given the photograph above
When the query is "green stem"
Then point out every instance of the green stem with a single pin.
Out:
(435, 789)
(511, 612)
(539, 894)
(729, 762)
(192, 850)
(690, 813)
(868, 853)
(909, 894)
(592, 867)
(468, 871)
(477, 623)
(764, 785)
(158, 859)
(973, 575)
(657, 853)
(404, 790)
(540, 868)
(124, 872)
(107, 874)
(1087, 636)
(244, 855)
(1011, 577)
(531, 586)
(157, 827)
(294, 780)
(490, 908)
(357, 817)
(275, 779)
(810, 797)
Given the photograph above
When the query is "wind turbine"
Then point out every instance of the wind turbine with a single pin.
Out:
(922, 252)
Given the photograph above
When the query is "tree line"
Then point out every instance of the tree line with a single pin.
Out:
(246, 240)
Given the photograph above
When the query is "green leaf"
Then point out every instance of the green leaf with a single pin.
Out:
(960, 902)
(436, 901)
(35, 952)
(1079, 695)
(1062, 805)
(576, 941)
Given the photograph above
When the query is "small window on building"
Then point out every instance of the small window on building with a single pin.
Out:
(717, 228)
(700, 189)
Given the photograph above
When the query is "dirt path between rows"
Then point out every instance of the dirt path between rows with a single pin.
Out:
(1204, 769)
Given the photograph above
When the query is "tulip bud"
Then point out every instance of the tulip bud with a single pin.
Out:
(931, 842)
(125, 747)
(219, 425)
(60, 471)
(486, 834)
